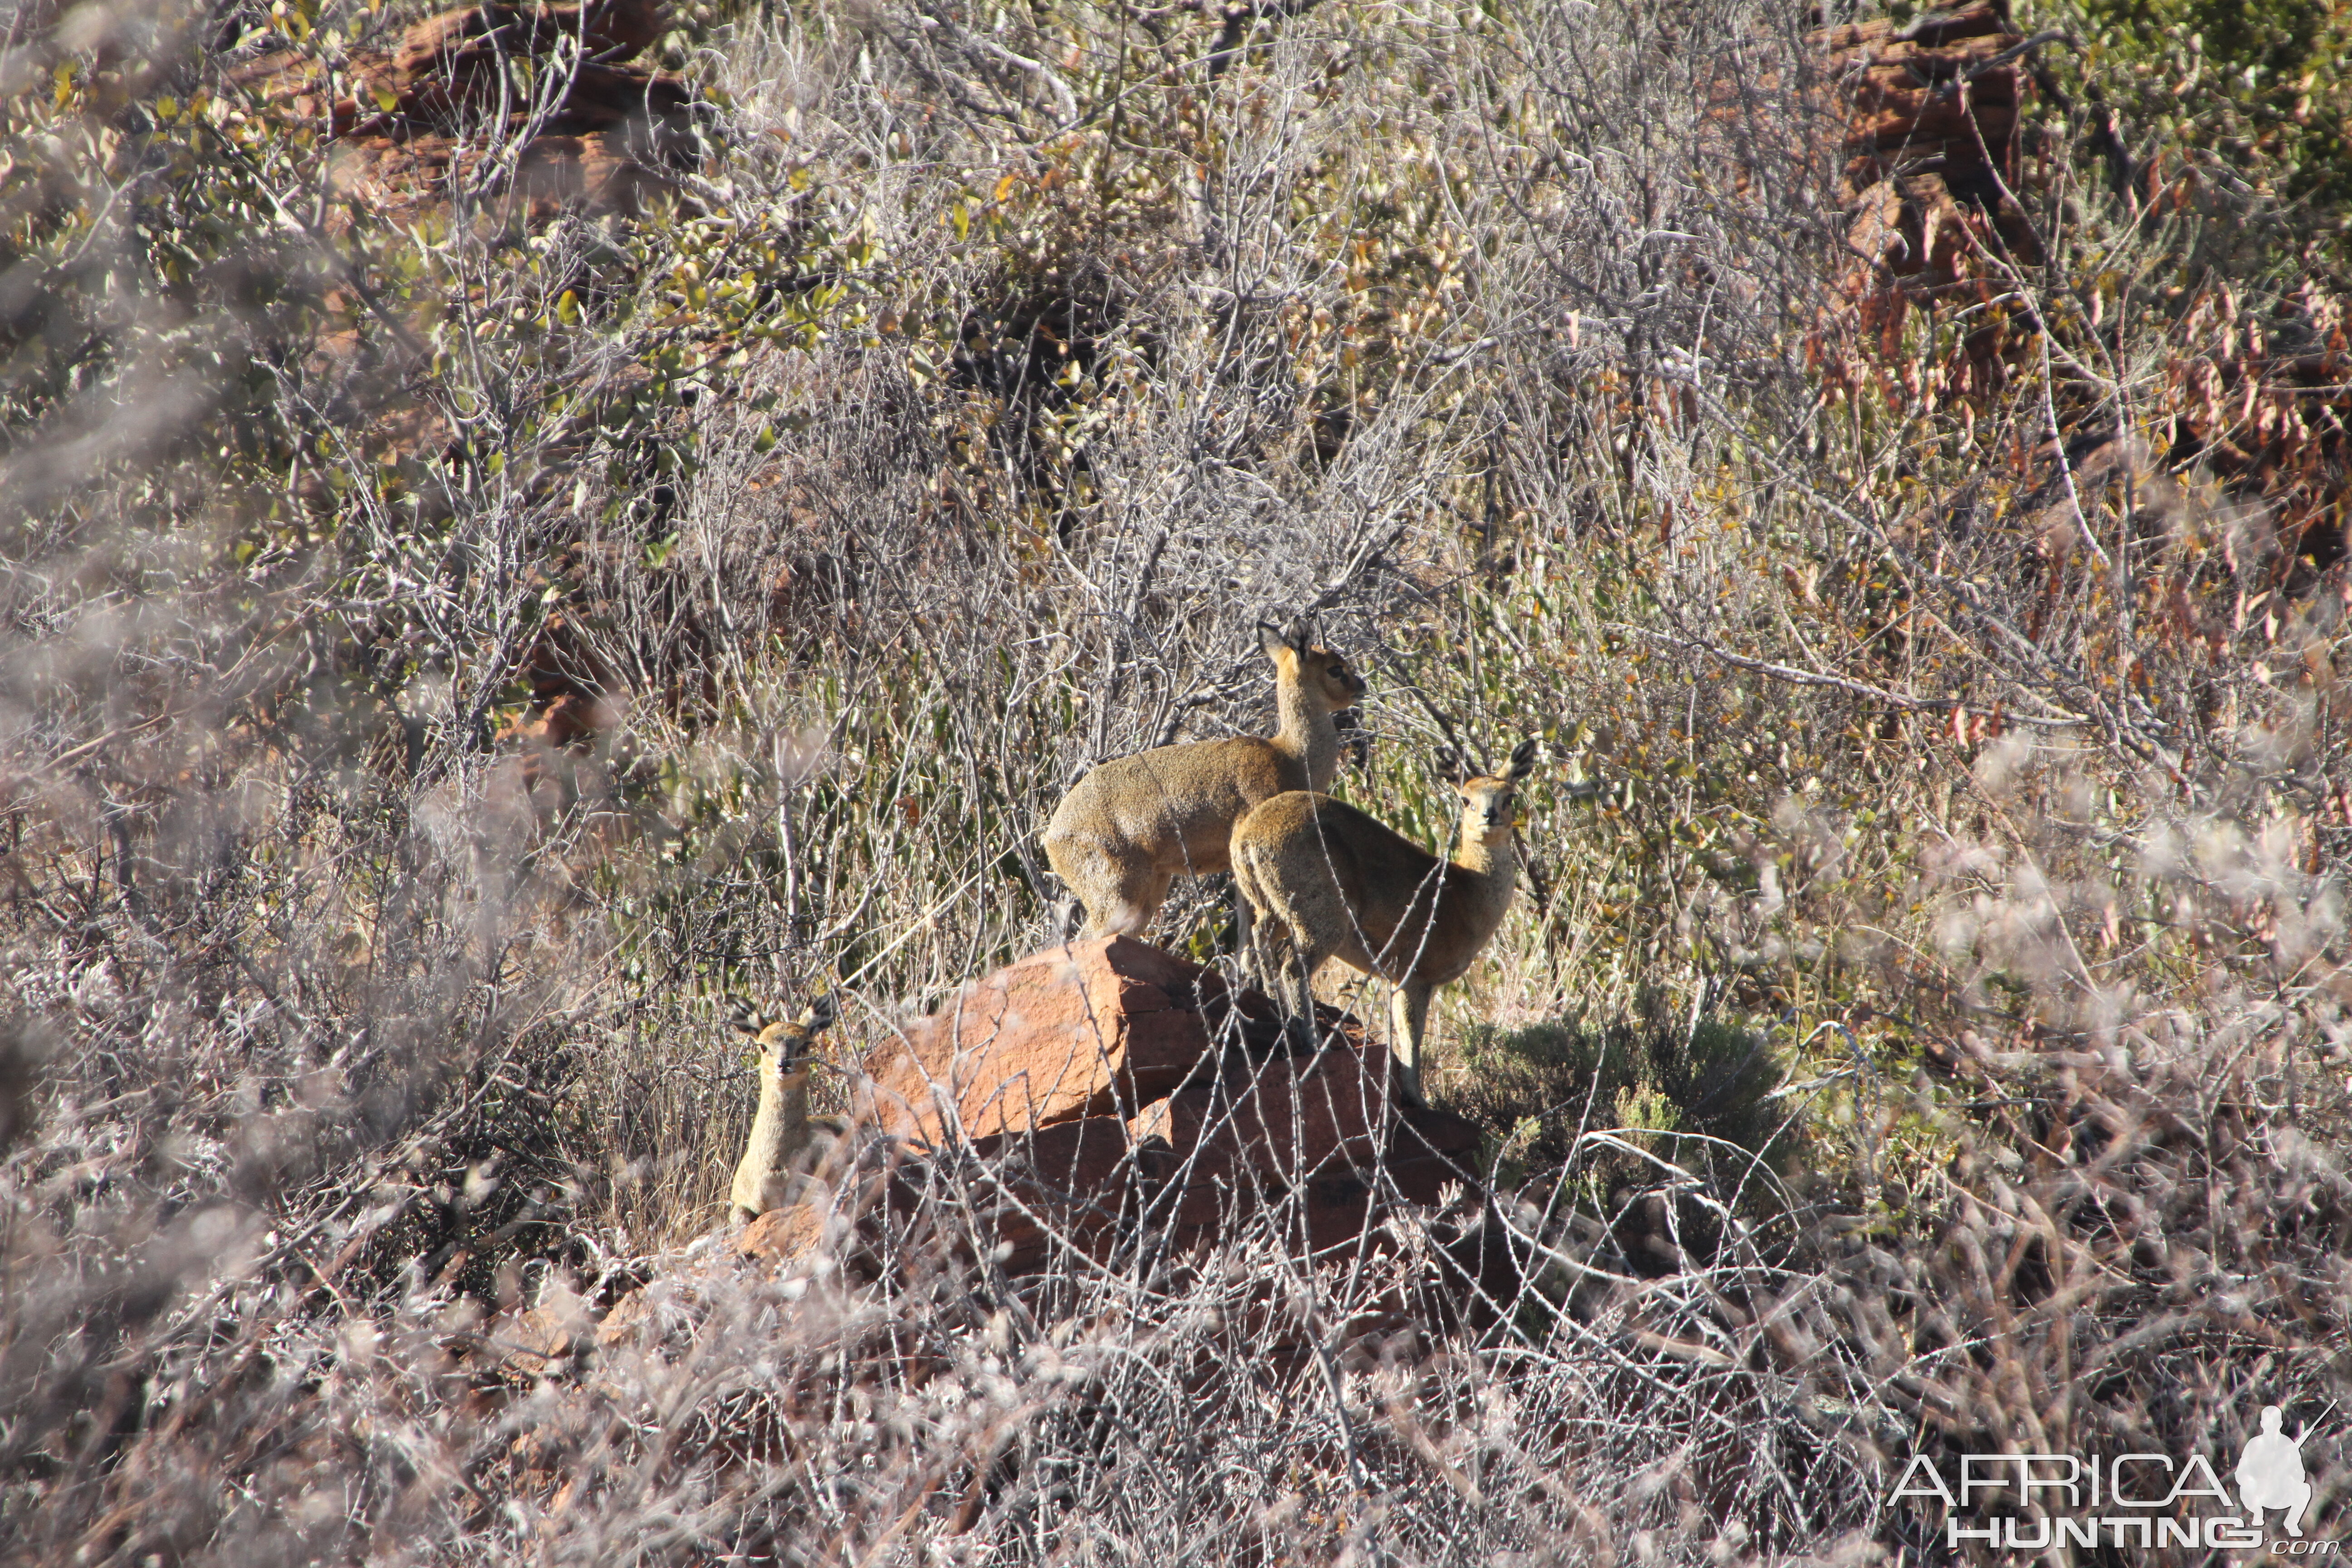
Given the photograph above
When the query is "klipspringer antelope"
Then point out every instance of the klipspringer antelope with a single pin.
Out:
(787, 1144)
(1133, 826)
(1327, 882)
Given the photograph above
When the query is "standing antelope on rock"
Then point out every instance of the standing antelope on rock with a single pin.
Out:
(1133, 826)
(786, 1142)
(1333, 882)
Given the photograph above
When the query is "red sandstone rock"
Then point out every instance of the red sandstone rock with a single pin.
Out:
(1931, 97)
(549, 1337)
(1310, 1133)
(1415, 1133)
(1068, 1185)
(1933, 112)
(1289, 1117)
(606, 28)
(1018, 1197)
(780, 1235)
(1093, 1028)
(412, 120)
(1213, 1197)
(1106, 1093)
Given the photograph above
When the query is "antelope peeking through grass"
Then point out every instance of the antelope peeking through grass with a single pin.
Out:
(1133, 826)
(1330, 881)
(786, 1144)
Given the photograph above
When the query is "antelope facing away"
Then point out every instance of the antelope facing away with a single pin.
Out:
(787, 1144)
(1330, 882)
(1133, 826)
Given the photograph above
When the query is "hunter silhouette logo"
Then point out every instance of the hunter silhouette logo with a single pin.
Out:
(2270, 1472)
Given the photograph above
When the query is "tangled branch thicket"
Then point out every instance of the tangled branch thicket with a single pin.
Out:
(447, 658)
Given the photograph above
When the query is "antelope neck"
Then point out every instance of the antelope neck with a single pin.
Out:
(1482, 854)
(1305, 730)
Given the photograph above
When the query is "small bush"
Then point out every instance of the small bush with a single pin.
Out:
(1680, 1091)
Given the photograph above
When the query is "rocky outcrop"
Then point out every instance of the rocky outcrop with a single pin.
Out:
(522, 107)
(1108, 1100)
(1937, 151)
(1094, 1029)
(1932, 138)
(1319, 1135)
(1939, 96)
(1281, 1137)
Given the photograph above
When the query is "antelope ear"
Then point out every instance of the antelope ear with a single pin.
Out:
(1451, 767)
(1523, 758)
(819, 1015)
(1299, 633)
(740, 1014)
(1271, 638)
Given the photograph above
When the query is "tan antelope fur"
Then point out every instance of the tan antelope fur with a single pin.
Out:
(1329, 882)
(1133, 826)
(787, 1144)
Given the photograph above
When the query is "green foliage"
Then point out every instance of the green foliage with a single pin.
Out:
(2255, 90)
(1675, 1090)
